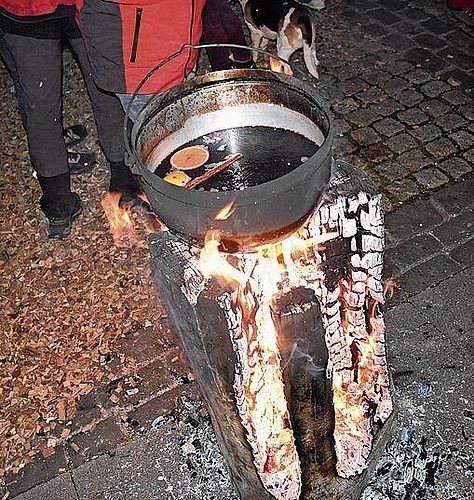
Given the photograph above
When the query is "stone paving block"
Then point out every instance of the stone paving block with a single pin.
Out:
(401, 143)
(103, 439)
(384, 16)
(371, 95)
(457, 197)
(345, 106)
(441, 148)
(427, 274)
(455, 167)
(434, 88)
(411, 220)
(386, 108)
(160, 406)
(392, 5)
(376, 153)
(407, 29)
(409, 97)
(362, 117)
(36, 472)
(413, 14)
(435, 107)
(457, 229)
(456, 57)
(400, 67)
(467, 111)
(459, 39)
(412, 116)
(417, 55)
(340, 126)
(353, 86)
(395, 85)
(157, 377)
(414, 160)
(414, 250)
(388, 127)
(403, 189)
(375, 29)
(59, 488)
(437, 26)
(397, 41)
(469, 156)
(463, 139)
(464, 254)
(464, 78)
(391, 170)
(343, 147)
(450, 122)
(430, 41)
(456, 97)
(375, 76)
(426, 133)
(435, 64)
(431, 178)
(89, 408)
(365, 136)
(419, 76)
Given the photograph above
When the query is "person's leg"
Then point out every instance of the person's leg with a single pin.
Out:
(36, 66)
(109, 117)
(37, 77)
(213, 32)
(232, 24)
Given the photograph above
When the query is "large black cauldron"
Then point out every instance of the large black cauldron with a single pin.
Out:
(264, 210)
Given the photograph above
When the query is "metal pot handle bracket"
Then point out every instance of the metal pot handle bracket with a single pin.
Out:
(130, 158)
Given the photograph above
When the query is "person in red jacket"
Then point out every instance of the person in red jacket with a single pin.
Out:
(126, 39)
(31, 36)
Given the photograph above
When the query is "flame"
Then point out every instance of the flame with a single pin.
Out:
(258, 385)
(226, 211)
(354, 336)
(279, 66)
(120, 223)
(389, 288)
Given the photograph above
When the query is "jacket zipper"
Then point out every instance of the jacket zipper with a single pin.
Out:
(138, 20)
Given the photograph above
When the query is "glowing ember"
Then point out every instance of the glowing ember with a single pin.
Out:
(280, 67)
(120, 223)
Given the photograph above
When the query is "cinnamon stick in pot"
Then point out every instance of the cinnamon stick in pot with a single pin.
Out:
(211, 173)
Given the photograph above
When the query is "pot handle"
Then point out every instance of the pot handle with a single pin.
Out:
(130, 157)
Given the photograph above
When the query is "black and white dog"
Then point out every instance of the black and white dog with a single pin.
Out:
(288, 22)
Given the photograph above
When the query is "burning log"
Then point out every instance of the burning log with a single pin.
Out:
(287, 345)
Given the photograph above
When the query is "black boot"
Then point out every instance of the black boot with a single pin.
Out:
(60, 205)
(124, 182)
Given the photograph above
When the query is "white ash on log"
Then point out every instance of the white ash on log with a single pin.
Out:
(294, 415)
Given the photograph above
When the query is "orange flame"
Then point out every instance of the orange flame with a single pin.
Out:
(120, 223)
(389, 288)
(280, 67)
(226, 211)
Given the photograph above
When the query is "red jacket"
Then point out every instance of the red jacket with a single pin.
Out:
(126, 39)
(33, 7)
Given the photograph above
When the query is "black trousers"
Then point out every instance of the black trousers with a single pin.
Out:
(36, 66)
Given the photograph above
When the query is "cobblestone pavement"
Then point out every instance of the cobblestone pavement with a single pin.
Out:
(399, 77)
